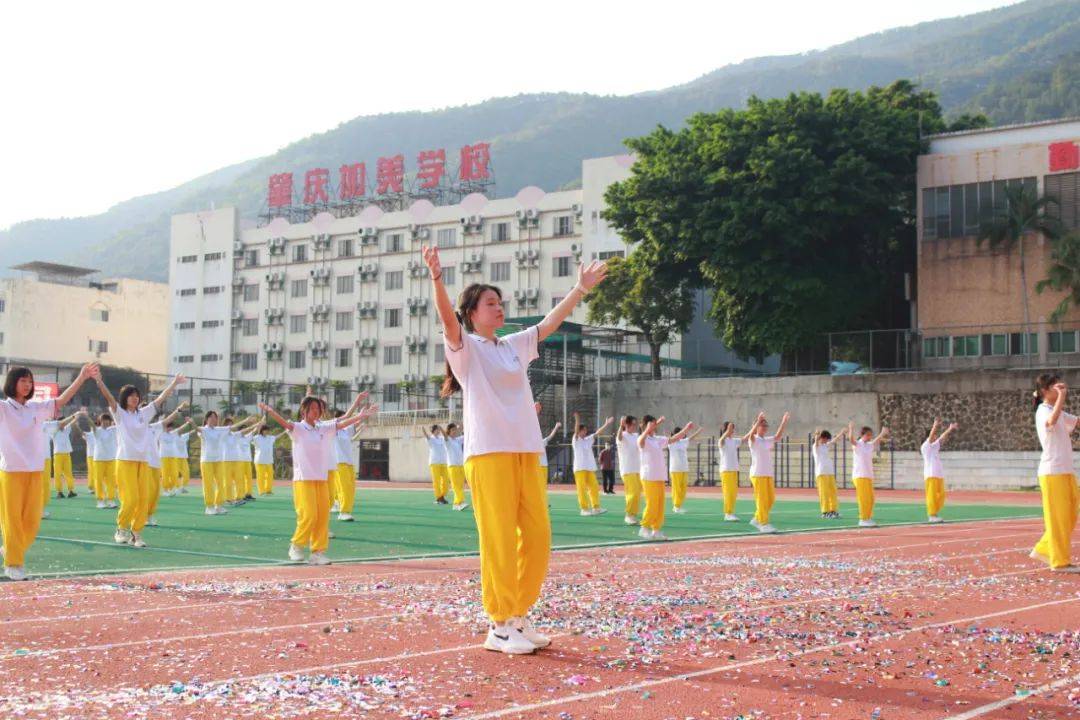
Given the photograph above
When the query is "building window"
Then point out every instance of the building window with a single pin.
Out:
(344, 357)
(251, 258)
(299, 253)
(1066, 188)
(251, 293)
(965, 345)
(185, 358)
(394, 242)
(608, 254)
(500, 232)
(99, 315)
(392, 355)
(936, 347)
(449, 275)
(440, 353)
(3, 305)
(500, 271)
(213, 289)
(392, 317)
(249, 361)
(299, 288)
(184, 259)
(343, 320)
(345, 247)
(562, 266)
(564, 225)
(297, 323)
(187, 292)
(213, 256)
(391, 393)
(995, 344)
(211, 324)
(190, 325)
(209, 357)
(446, 237)
(345, 284)
(297, 359)
(1017, 346)
(1061, 342)
(556, 299)
(954, 211)
(395, 280)
(249, 327)
(296, 394)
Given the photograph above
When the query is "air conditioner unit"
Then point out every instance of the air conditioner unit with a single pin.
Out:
(368, 271)
(518, 294)
(417, 306)
(322, 241)
(277, 246)
(367, 346)
(238, 284)
(576, 209)
(368, 308)
(363, 381)
(275, 279)
(520, 299)
(235, 357)
(274, 316)
(575, 248)
(316, 380)
(532, 294)
(369, 240)
(532, 214)
(419, 233)
(370, 233)
(320, 276)
(237, 247)
(521, 257)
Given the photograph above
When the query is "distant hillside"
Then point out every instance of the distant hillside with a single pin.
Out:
(1016, 63)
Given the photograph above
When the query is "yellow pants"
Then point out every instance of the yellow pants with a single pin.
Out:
(511, 512)
(764, 497)
(241, 478)
(457, 483)
(826, 492)
(135, 482)
(1060, 501)
(213, 484)
(183, 469)
(935, 495)
(864, 496)
(105, 477)
(264, 477)
(155, 491)
(20, 512)
(729, 485)
(91, 475)
(678, 488)
(440, 480)
(345, 480)
(653, 519)
(311, 498)
(541, 474)
(588, 491)
(168, 474)
(632, 489)
(45, 494)
(62, 470)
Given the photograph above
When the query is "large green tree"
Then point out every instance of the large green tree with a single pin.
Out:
(798, 213)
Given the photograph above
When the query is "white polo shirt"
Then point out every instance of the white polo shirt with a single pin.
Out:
(313, 449)
(61, 438)
(133, 432)
(153, 452)
(677, 456)
(653, 467)
(213, 443)
(23, 445)
(105, 444)
(584, 460)
(931, 459)
(236, 447)
(169, 444)
(497, 402)
(455, 451)
(88, 438)
(862, 461)
(264, 449)
(343, 447)
(761, 458)
(823, 459)
(729, 454)
(436, 450)
(629, 454)
(543, 453)
(1057, 452)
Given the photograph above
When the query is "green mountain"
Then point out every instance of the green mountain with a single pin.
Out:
(1016, 63)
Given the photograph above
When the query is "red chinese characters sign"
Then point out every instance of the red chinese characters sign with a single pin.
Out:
(390, 174)
(1064, 156)
(353, 181)
(474, 162)
(280, 190)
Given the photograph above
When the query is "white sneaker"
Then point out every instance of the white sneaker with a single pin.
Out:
(644, 533)
(219, 510)
(345, 517)
(1035, 555)
(318, 558)
(766, 529)
(113, 505)
(211, 511)
(45, 514)
(184, 490)
(867, 523)
(100, 504)
(461, 506)
(531, 634)
(630, 519)
(755, 523)
(121, 536)
(679, 510)
(137, 541)
(587, 513)
(731, 518)
(331, 534)
(151, 521)
(599, 511)
(657, 535)
(336, 507)
(506, 638)
(296, 553)
(934, 519)
(1067, 569)
(15, 573)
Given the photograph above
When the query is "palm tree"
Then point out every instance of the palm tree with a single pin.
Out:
(1063, 275)
(1024, 213)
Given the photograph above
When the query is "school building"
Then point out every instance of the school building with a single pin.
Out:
(969, 306)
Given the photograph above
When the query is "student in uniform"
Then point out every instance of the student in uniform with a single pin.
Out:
(607, 468)
(825, 472)
(679, 470)
(761, 469)
(60, 435)
(47, 427)
(105, 444)
(654, 474)
(588, 491)
(154, 460)
(237, 460)
(264, 457)
(23, 446)
(629, 466)
(933, 474)
(728, 449)
(314, 458)
(212, 464)
(864, 445)
(88, 438)
(455, 464)
(440, 477)
(133, 451)
(502, 446)
(1057, 476)
(345, 469)
(174, 450)
(183, 455)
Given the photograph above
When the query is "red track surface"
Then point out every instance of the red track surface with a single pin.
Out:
(948, 622)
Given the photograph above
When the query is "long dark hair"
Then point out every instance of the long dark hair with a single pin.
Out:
(468, 301)
(1044, 382)
(11, 382)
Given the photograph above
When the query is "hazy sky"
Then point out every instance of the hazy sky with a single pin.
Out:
(108, 100)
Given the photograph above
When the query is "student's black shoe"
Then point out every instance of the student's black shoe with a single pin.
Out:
(60, 495)
(249, 497)
(71, 493)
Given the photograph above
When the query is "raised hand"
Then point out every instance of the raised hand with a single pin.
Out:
(591, 275)
(431, 259)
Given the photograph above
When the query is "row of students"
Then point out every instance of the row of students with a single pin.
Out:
(446, 462)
